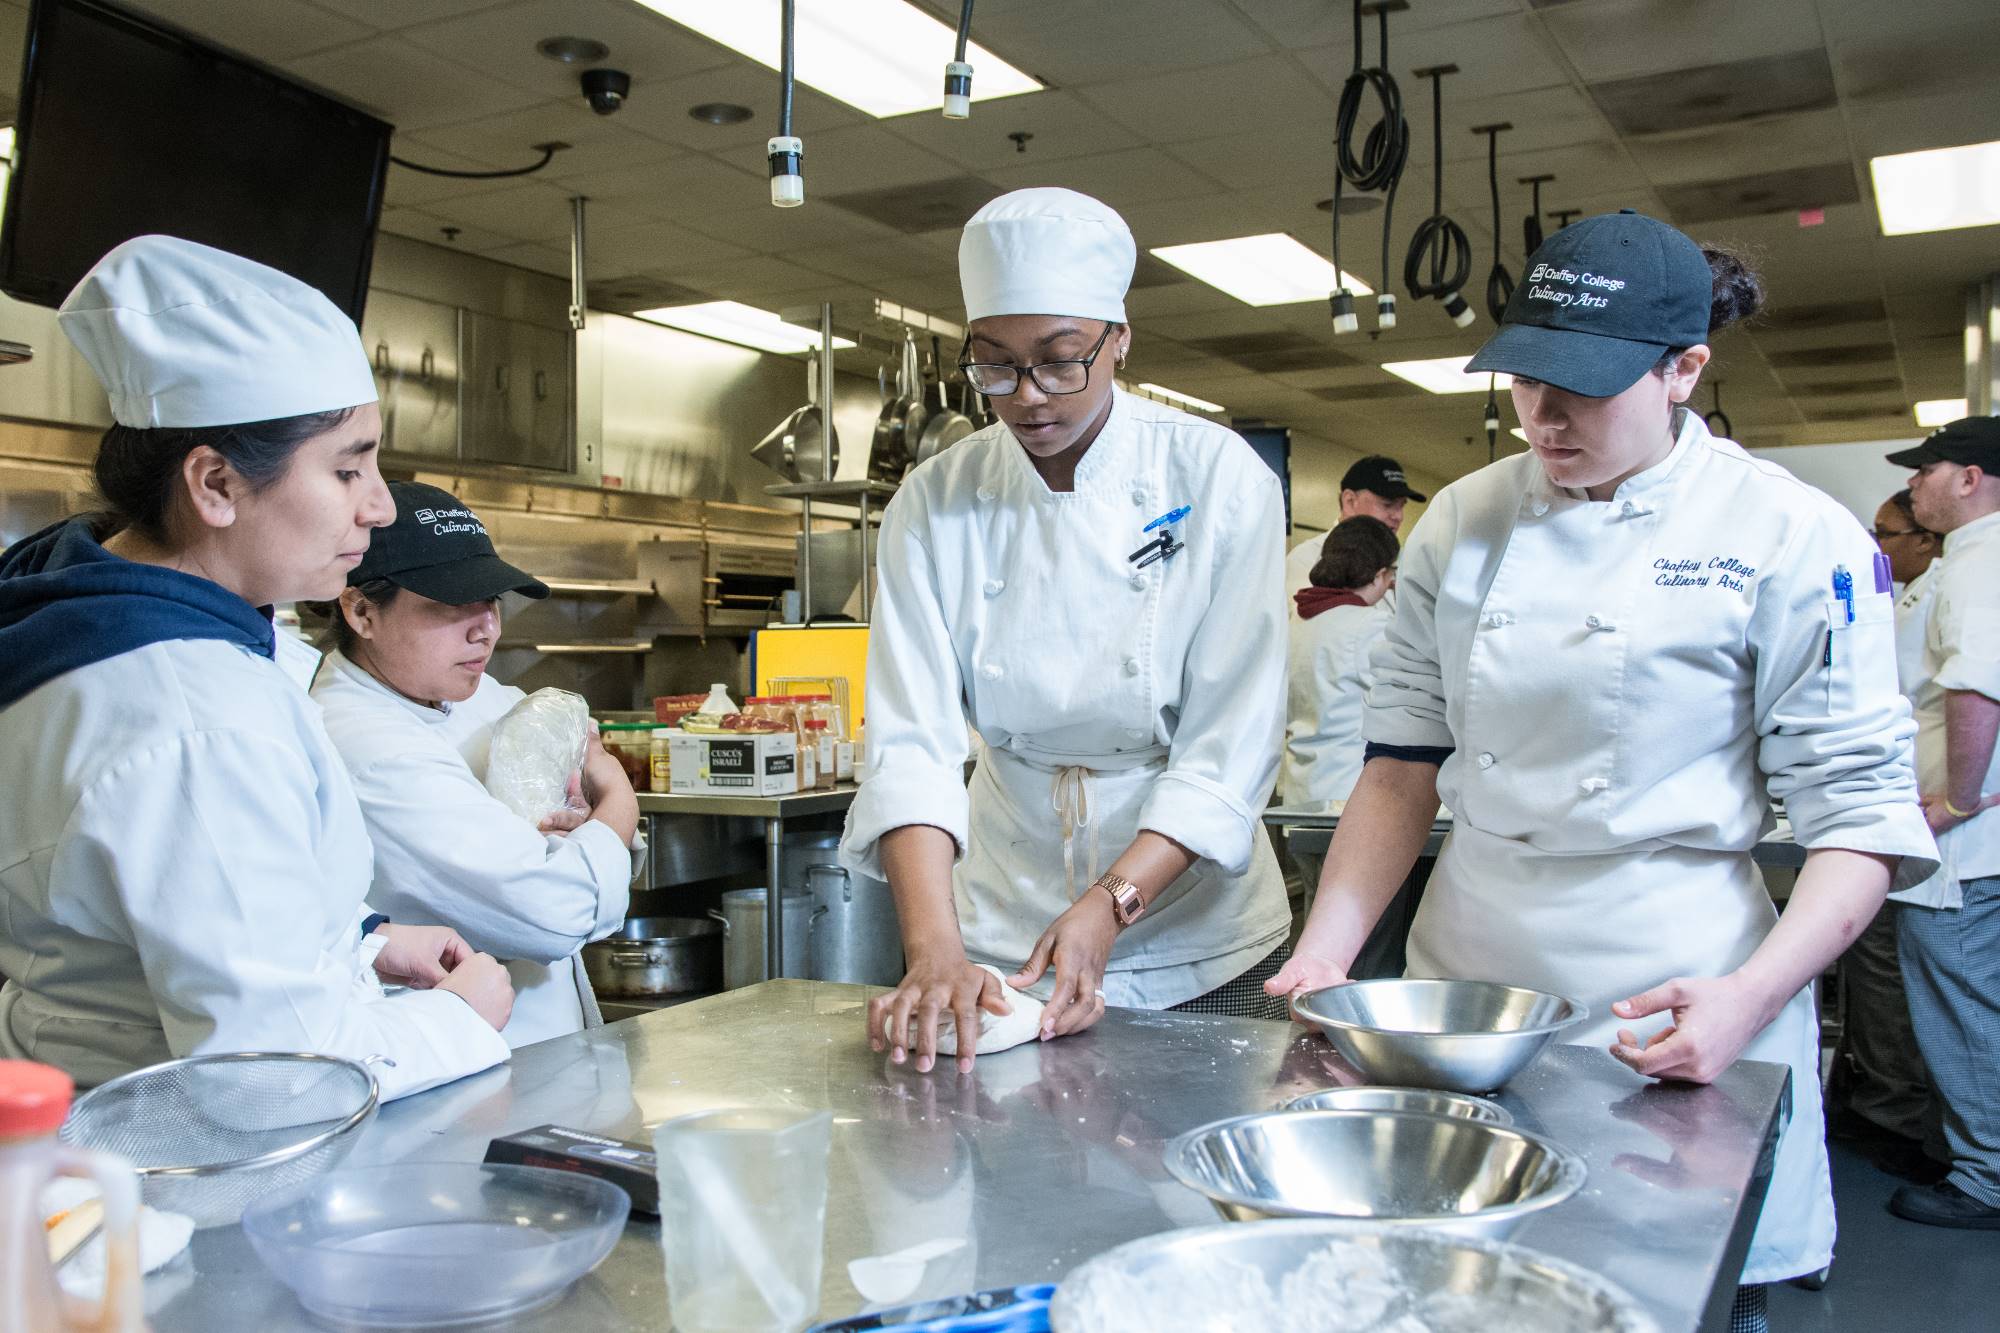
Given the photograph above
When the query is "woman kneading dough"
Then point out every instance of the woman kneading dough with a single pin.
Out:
(182, 861)
(411, 709)
(1608, 654)
(1093, 585)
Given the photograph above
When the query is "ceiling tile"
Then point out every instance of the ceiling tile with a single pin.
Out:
(1059, 125)
(1076, 42)
(652, 247)
(1740, 149)
(897, 256)
(1495, 56)
(508, 139)
(744, 279)
(407, 86)
(1121, 179)
(1299, 24)
(924, 206)
(271, 31)
(866, 157)
(1783, 191)
(1171, 107)
(687, 185)
(532, 255)
(501, 41)
(390, 14)
(525, 212)
(407, 186)
(1717, 94)
(783, 230)
(1618, 39)
(662, 112)
(1923, 122)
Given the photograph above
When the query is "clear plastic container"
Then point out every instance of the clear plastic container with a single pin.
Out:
(821, 742)
(718, 703)
(33, 1100)
(743, 1217)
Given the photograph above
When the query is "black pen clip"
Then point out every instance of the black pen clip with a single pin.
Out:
(1156, 550)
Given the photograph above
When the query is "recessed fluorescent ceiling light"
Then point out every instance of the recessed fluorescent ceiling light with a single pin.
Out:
(1444, 374)
(734, 322)
(885, 57)
(1186, 400)
(1937, 189)
(1935, 412)
(1272, 269)
(7, 143)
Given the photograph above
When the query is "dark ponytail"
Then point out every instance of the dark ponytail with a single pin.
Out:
(139, 468)
(1735, 294)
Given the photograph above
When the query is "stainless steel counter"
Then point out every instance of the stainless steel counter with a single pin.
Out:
(774, 811)
(1308, 830)
(1043, 1156)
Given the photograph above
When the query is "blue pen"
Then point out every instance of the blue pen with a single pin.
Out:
(1843, 588)
(1174, 516)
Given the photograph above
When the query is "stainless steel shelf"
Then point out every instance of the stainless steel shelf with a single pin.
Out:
(831, 490)
(582, 647)
(598, 587)
(754, 807)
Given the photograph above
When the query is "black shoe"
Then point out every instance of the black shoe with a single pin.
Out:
(1905, 1159)
(1944, 1205)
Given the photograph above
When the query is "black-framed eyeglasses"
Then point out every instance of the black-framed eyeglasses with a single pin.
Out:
(997, 380)
(1883, 534)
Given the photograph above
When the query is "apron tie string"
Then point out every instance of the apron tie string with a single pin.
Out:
(1070, 797)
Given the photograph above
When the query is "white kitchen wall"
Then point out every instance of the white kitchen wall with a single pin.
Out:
(1857, 475)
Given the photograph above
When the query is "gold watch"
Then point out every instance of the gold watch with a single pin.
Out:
(1126, 903)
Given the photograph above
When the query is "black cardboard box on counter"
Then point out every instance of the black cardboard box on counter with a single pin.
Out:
(626, 1165)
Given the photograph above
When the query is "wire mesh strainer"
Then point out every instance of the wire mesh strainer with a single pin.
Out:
(211, 1133)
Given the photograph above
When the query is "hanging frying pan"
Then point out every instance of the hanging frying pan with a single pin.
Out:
(947, 425)
(887, 458)
(918, 412)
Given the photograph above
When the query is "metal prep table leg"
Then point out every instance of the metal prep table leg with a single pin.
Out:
(774, 899)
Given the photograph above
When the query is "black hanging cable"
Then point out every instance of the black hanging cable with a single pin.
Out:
(1717, 420)
(1531, 225)
(1378, 165)
(1499, 282)
(958, 74)
(785, 153)
(1440, 258)
(547, 150)
(1492, 417)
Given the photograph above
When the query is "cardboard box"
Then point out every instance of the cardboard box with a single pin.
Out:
(756, 764)
(630, 1166)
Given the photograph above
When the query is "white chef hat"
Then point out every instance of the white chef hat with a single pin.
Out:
(1046, 252)
(183, 335)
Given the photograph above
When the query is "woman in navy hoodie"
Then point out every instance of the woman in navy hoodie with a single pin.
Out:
(182, 860)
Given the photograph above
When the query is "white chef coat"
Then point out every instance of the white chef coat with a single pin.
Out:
(1913, 613)
(1961, 651)
(449, 853)
(1140, 698)
(182, 868)
(1620, 682)
(1299, 562)
(1328, 676)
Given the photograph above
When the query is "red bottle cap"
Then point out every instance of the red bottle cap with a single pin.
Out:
(34, 1098)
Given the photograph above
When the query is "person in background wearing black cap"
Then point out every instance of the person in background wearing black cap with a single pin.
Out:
(1948, 928)
(410, 707)
(1375, 487)
(1608, 654)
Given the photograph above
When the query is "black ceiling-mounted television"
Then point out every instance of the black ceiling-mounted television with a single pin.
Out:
(128, 128)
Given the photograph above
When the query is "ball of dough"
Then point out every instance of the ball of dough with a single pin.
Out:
(997, 1032)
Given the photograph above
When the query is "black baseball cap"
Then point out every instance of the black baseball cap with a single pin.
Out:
(1382, 475)
(1600, 303)
(1968, 441)
(437, 548)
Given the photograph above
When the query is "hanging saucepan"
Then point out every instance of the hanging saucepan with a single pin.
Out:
(889, 456)
(917, 414)
(947, 425)
(792, 449)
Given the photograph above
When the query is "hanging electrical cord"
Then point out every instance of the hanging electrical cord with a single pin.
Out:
(1717, 420)
(1378, 166)
(547, 150)
(1499, 282)
(1531, 225)
(1492, 417)
(958, 74)
(1440, 258)
(786, 154)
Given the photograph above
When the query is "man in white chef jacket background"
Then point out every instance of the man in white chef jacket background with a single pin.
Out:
(1375, 487)
(1948, 928)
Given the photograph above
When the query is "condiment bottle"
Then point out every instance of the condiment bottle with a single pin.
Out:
(34, 1098)
(661, 774)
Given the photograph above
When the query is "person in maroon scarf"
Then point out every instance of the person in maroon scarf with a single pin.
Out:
(1341, 616)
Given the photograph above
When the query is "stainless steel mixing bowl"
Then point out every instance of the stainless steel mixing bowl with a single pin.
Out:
(1424, 1101)
(1470, 1178)
(1329, 1274)
(1462, 1036)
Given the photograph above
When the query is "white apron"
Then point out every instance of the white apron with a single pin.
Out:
(1018, 877)
(1604, 928)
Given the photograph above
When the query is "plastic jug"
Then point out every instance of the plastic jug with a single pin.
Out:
(718, 703)
(34, 1098)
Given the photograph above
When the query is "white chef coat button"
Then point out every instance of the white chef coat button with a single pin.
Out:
(987, 492)
(1541, 507)
(1138, 580)
(992, 671)
(1594, 622)
(1630, 510)
(1496, 619)
(1592, 786)
(1135, 733)
(1138, 497)
(1015, 742)
(994, 587)
(1486, 761)
(1131, 666)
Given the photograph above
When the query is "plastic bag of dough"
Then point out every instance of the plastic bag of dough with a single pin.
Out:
(536, 747)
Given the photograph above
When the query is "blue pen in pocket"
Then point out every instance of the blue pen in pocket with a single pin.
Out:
(1843, 592)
